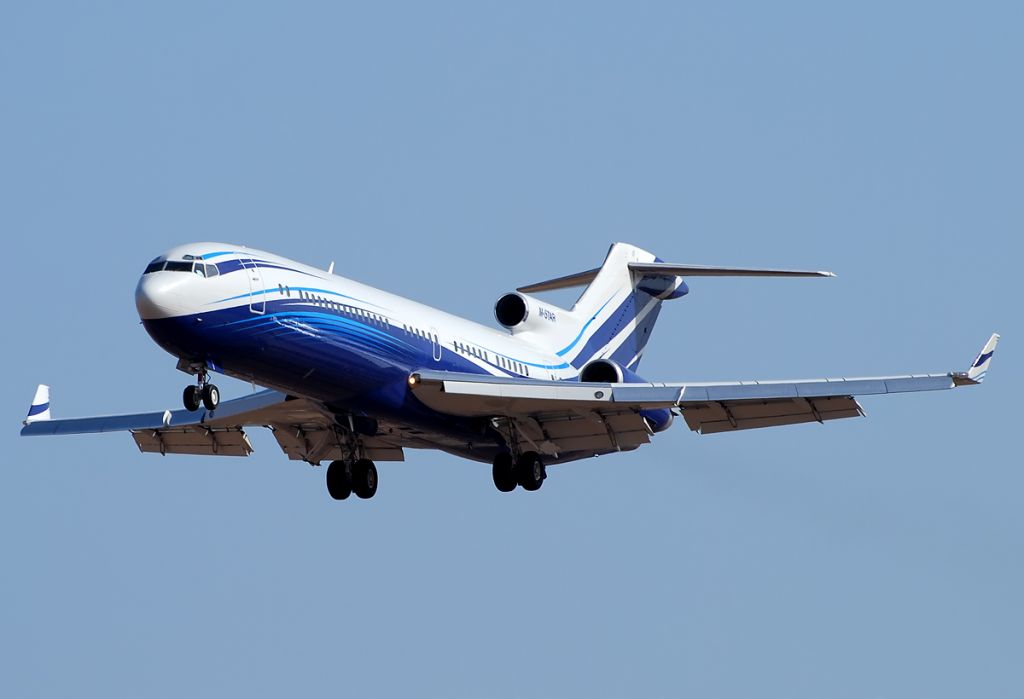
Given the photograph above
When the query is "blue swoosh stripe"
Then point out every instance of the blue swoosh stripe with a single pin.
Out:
(572, 344)
(323, 320)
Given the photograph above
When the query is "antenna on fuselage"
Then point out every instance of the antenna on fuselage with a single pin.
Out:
(330, 268)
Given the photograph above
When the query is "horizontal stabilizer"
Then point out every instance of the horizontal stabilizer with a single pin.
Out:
(669, 269)
(567, 282)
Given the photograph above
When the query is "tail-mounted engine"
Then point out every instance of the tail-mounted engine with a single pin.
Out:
(522, 313)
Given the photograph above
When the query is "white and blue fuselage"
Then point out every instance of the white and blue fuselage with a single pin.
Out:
(301, 330)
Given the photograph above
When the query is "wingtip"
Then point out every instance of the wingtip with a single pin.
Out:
(40, 408)
(979, 367)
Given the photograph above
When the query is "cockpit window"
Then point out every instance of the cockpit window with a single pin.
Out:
(200, 268)
(176, 266)
(204, 270)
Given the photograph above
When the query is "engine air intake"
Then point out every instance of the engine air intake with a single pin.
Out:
(511, 310)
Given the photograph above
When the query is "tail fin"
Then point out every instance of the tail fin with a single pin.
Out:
(40, 409)
(617, 311)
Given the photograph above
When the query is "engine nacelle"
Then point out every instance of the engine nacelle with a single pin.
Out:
(522, 313)
(607, 371)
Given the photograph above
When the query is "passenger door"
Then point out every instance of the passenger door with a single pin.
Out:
(436, 344)
(257, 293)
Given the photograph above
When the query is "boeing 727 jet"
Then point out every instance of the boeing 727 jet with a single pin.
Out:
(354, 375)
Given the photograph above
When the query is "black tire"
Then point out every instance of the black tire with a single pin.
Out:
(364, 478)
(191, 398)
(504, 473)
(211, 397)
(339, 480)
(530, 471)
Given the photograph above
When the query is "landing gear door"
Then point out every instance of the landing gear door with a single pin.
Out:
(257, 293)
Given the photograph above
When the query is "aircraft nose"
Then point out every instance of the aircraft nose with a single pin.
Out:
(159, 295)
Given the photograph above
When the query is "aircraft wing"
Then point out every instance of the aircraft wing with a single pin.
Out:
(568, 416)
(304, 429)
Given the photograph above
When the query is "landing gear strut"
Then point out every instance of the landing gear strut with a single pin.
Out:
(205, 394)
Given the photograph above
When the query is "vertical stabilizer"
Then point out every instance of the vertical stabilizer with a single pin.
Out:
(618, 309)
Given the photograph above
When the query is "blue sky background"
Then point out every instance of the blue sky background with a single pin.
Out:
(449, 152)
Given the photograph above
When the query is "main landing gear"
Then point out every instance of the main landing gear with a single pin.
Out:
(205, 394)
(347, 477)
(527, 471)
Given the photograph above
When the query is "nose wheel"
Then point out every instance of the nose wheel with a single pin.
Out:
(204, 394)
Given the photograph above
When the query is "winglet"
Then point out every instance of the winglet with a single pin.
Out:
(980, 365)
(40, 409)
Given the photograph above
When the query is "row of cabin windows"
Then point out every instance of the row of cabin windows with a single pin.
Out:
(503, 362)
(338, 307)
(411, 330)
(460, 347)
(200, 268)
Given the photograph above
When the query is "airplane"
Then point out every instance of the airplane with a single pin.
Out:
(353, 375)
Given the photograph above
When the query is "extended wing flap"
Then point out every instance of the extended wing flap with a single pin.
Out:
(593, 432)
(726, 416)
(305, 429)
(194, 440)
